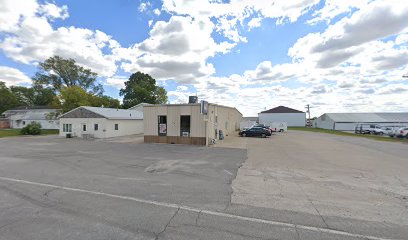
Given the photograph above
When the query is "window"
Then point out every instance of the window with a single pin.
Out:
(116, 126)
(84, 127)
(23, 122)
(96, 127)
(162, 125)
(185, 126)
(67, 128)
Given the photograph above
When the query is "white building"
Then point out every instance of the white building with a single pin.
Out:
(22, 116)
(139, 107)
(293, 117)
(96, 122)
(348, 121)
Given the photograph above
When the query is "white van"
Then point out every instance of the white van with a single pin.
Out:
(279, 126)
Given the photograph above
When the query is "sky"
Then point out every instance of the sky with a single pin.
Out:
(337, 56)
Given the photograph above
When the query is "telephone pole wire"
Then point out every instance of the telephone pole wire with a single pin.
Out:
(308, 112)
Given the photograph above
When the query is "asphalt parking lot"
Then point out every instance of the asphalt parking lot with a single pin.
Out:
(56, 188)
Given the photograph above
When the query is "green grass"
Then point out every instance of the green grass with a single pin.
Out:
(379, 138)
(16, 132)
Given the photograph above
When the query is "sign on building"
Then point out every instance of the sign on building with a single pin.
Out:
(204, 107)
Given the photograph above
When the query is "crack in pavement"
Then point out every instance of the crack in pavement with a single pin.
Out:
(168, 223)
(311, 202)
(225, 231)
(196, 210)
(198, 217)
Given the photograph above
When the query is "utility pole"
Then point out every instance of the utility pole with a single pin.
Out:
(308, 112)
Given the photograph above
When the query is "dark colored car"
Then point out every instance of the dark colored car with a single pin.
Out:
(255, 132)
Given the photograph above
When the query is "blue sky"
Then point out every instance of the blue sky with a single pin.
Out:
(338, 56)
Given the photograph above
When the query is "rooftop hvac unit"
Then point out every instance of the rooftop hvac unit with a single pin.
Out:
(192, 99)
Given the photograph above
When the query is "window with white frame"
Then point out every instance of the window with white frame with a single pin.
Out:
(67, 127)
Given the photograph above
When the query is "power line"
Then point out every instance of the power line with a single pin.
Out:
(308, 107)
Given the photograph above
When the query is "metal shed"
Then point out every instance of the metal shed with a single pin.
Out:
(348, 121)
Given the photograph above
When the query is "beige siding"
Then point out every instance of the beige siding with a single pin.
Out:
(223, 118)
(173, 114)
(218, 118)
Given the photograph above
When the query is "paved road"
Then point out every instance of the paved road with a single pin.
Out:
(353, 184)
(55, 188)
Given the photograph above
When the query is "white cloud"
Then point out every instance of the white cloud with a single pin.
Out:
(53, 11)
(117, 81)
(30, 37)
(266, 73)
(143, 7)
(255, 22)
(11, 11)
(157, 11)
(182, 88)
(177, 49)
(393, 89)
(333, 8)
(233, 13)
(402, 39)
(13, 76)
(345, 39)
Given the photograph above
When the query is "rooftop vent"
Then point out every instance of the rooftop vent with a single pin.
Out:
(192, 99)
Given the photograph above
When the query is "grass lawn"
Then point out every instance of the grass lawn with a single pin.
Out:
(379, 138)
(16, 132)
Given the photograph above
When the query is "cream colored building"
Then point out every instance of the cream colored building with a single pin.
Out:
(185, 124)
(96, 122)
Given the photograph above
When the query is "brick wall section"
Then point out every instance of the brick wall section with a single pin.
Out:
(4, 123)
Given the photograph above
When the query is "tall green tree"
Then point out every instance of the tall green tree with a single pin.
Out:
(103, 101)
(70, 98)
(73, 97)
(58, 72)
(33, 96)
(7, 98)
(142, 88)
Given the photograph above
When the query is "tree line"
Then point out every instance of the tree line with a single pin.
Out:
(63, 84)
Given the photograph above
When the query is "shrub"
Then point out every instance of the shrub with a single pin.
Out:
(33, 128)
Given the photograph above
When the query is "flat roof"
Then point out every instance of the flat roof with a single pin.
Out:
(189, 104)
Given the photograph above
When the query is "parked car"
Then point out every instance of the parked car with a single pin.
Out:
(384, 131)
(402, 132)
(255, 132)
(381, 130)
(363, 128)
(266, 127)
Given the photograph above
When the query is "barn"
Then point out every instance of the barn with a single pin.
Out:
(293, 117)
(348, 121)
(97, 122)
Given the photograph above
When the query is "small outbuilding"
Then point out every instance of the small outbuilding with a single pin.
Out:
(349, 121)
(22, 116)
(97, 122)
(292, 117)
(193, 123)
